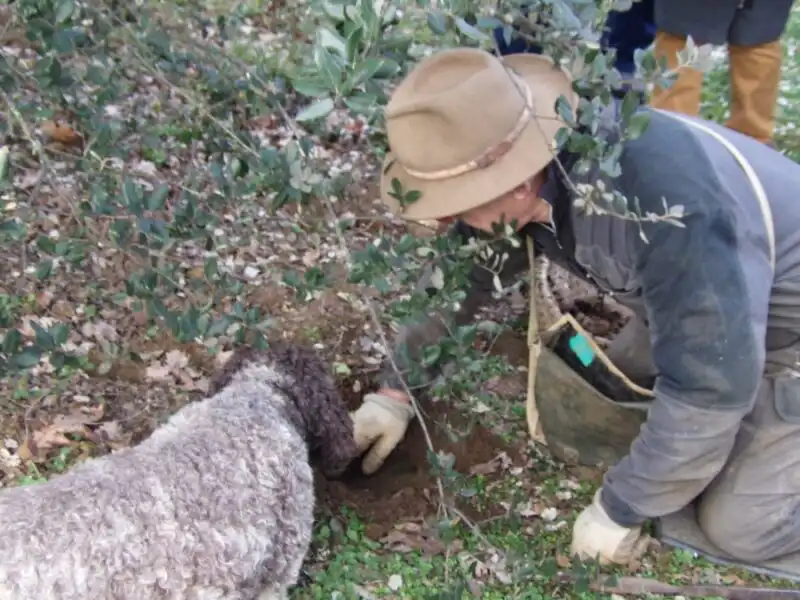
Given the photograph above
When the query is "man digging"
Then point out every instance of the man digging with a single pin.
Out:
(716, 301)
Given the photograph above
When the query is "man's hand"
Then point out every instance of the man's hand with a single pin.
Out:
(380, 423)
(596, 537)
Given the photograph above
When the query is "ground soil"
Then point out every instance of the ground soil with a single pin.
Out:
(597, 316)
(594, 310)
(404, 488)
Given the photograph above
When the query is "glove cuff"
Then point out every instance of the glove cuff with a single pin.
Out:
(598, 503)
(402, 410)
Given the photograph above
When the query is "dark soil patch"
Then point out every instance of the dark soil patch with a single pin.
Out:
(597, 313)
(404, 488)
(597, 316)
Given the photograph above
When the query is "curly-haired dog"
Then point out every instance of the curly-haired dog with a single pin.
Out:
(216, 504)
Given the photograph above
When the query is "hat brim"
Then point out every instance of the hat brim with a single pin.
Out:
(529, 154)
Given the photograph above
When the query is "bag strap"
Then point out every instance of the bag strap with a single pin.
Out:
(534, 350)
(755, 182)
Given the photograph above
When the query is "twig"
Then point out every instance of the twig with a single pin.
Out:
(299, 132)
(373, 313)
(639, 586)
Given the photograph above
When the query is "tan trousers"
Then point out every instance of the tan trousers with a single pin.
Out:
(755, 74)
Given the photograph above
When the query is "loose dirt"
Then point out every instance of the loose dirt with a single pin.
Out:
(596, 311)
(404, 488)
(597, 316)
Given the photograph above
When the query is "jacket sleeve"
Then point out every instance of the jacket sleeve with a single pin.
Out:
(706, 290)
(430, 328)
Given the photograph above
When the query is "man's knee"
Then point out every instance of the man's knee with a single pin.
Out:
(751, 528)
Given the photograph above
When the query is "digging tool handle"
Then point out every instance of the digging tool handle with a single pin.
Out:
(534, 350)
(640, 586)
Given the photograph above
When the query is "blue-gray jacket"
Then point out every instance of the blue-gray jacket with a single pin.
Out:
(713, 307)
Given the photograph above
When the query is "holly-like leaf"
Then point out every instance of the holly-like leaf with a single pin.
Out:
(318, 110)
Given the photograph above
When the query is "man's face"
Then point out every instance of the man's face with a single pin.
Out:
(521, 204)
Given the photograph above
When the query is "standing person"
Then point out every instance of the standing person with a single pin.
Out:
(717, 301)
(628, 31)
(752, 30)
(624, 32)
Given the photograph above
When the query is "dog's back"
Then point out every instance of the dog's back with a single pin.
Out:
(218, 503)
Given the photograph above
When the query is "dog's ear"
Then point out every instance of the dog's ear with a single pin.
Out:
(241, 357)
(333, 429)
(329, 428)
(337, 445)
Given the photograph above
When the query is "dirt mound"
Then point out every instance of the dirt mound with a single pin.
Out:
(404, 489)
(597, 313)
(598, 316)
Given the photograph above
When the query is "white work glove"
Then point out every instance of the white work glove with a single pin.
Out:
(596, 537)
(380, 423)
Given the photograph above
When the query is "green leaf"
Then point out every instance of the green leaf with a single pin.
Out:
(489, 23)
(470, 31)
(11, 341)
(329, 70)
(362, 103)
(564, 110)
(4, 162)
(211, 268)
(369, 17)
(437, 22)
(44, 269)
(334, 10)
(629, 105)
(637, 125)
(313, 88)
(318, 110)
(331, 40)
(28, 358)
(132, 193)
(43, 338)
(353, 45)
(373, 67)
(410, 197)
(65, 10)
(387, 68)
(60, 333)
(431, 355)
(158, 198)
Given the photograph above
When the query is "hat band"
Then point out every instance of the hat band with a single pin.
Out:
(494, 153)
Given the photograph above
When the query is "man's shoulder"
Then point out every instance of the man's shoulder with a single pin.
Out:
(668, 165)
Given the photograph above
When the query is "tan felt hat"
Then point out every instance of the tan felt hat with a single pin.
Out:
(466, 127)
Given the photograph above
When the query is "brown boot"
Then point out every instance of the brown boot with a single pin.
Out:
(755, 74)
(684, 94)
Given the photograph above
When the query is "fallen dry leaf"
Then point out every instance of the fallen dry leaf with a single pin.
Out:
(53, 437)
(63, 134)
(733, 580)
(407, 537)
(55, 434)
(157, 372)
(176, 359)
(24, 450)
(500, 462)
(110, 433)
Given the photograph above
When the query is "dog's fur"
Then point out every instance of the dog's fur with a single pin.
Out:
(216, 504)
